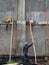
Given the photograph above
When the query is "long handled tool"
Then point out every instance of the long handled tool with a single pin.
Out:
(12, 30)
(33, 43)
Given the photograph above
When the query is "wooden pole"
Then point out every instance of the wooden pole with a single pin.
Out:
(11, 41)
(31, 32)
(33, 43)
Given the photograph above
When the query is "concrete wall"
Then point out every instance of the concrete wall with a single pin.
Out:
(35, 6)
(40, 34)
(37, 9)
(5, 37)
(6, 7)
(38, 31)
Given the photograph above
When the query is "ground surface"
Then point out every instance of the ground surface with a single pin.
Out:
(41, 60)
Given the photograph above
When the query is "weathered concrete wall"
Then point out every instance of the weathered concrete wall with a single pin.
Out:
(20, 29)
(40, 35)
(6, 7)
(37, 7)
(5, 37)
